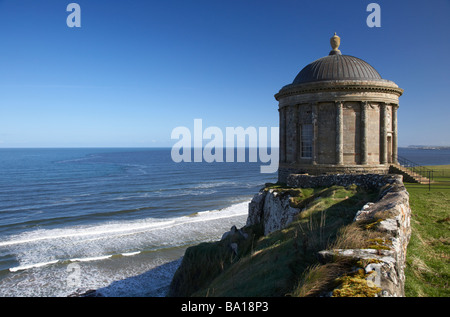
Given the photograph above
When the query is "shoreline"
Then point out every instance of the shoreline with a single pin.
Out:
(161, 276)
(161, 290)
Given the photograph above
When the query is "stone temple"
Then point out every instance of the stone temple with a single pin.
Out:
(338, 116)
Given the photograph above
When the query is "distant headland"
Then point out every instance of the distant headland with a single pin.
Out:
(428, 147)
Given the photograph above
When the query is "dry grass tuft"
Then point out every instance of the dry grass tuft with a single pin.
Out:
(354, 236)
(318, 279)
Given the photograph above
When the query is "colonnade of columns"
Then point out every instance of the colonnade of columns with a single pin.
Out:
(386, 155)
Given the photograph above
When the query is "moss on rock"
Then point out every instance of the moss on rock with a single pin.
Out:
(355, 285)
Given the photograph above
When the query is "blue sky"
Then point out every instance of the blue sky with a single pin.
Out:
(136, 70)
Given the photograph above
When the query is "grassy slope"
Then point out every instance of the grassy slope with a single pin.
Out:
(272, 265)
(284, 262)
(428, 256)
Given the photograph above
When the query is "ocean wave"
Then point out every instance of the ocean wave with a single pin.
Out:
(131, 253)
(55, 234)
(44, 247)
(120, 227)
(214, 184)
(86, 259)
(92, 258)
(79, 159)
(31, 266)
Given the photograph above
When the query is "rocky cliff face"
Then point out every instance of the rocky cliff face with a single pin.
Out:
(272, 209)
(390, 214)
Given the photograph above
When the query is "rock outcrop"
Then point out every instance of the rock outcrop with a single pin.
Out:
(272, 209)
(390, 214)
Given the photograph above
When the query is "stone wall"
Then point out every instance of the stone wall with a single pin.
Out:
(369, 181)
(385, 268)
(284, 170)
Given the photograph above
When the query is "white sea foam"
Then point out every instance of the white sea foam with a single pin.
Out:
(93, 258)
(54, 234)
(99, 242)
(86, 158)
(130, 253)
(113, 229)
(87, 259)
(214, 184)
(30, 266)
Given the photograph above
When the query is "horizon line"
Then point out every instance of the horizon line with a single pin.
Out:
(167, 147)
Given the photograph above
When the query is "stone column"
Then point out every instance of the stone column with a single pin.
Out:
(314, 120)
(364, 145)
(394, 134)
(339, 133)
(290, 134)
(383, 134)
(282, 135)
(296, 134)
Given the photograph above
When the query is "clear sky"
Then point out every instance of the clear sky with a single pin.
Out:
(137, 69)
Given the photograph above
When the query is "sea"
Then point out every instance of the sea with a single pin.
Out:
(118, 220)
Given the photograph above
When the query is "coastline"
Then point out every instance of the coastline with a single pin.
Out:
(84, 243)
(168, 269)
(159, 278)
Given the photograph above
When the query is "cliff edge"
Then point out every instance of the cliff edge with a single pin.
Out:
(334, 235)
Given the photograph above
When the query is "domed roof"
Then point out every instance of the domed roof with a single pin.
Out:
(337, 67)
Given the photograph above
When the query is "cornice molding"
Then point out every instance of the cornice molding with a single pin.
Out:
(384, 86)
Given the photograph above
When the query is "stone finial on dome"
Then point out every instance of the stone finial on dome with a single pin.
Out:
(335, 41)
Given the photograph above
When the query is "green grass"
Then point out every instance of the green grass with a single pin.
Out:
(428, 256)
(271, 265)
(284, 263)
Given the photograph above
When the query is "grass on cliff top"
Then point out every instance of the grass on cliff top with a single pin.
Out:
(428, 255)
(278, 264)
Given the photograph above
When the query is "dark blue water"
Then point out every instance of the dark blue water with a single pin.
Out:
(79, 219)
(426, 157)
(50, 188)
(114, 213)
